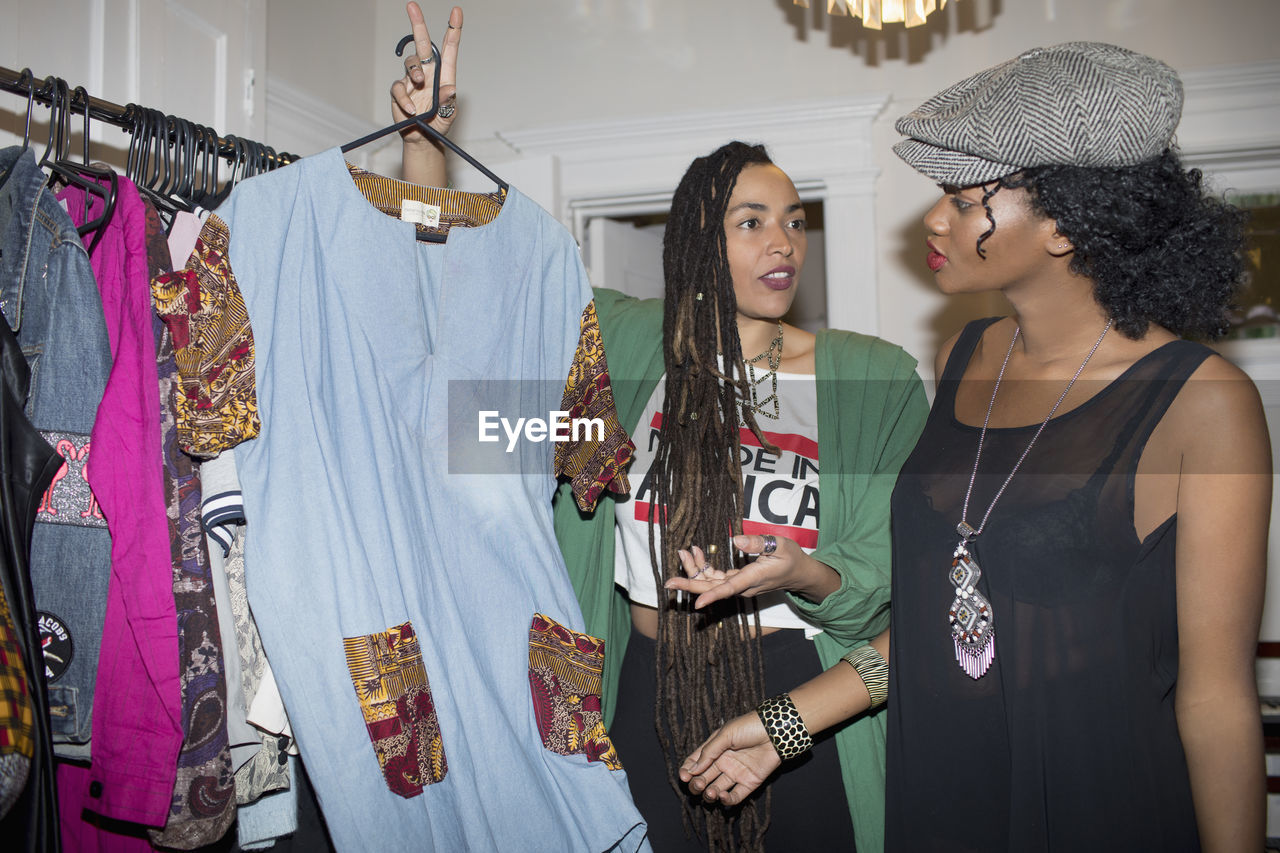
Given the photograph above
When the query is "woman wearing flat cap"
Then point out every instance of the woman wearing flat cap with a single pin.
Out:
(1080, 533)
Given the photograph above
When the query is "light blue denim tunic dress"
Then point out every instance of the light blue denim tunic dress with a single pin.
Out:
(371, 505)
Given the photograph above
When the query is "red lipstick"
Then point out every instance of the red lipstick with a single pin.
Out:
(935, 259)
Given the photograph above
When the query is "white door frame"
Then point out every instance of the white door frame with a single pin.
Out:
(627, 167)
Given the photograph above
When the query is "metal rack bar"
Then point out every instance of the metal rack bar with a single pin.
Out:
(106, 111)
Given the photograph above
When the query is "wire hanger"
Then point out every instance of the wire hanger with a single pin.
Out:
(421, 120)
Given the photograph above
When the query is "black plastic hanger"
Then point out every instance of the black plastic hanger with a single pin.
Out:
(261, 160)
(274, 160)
(208, 149)
(184, 175)
(95, 173)
(139, 121)
(164, 155)
(421, 121)
(252, 158)
(26, 78)
(160, 169)
(236, 157)
(83, 175)
(140, 141)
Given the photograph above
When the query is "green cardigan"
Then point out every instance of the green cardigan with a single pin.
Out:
(871, 408)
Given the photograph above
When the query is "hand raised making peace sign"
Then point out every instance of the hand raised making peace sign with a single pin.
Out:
(411, 94)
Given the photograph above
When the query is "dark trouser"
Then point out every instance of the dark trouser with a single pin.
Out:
(809, 809)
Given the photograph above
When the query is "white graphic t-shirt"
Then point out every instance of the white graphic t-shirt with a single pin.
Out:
(780, 493)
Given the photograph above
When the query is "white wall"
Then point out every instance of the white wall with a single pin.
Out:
(539, 64)
(536, 65)
(198, 60)
(320, 64)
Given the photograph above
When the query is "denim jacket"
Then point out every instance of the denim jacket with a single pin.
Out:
(51, 301)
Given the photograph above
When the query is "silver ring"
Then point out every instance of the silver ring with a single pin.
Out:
(770, 544)
(447, 109)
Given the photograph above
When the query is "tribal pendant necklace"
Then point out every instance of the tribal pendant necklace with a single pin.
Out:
(973, 628)
(773, 357)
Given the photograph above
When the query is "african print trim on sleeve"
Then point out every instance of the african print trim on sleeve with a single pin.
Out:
(217, 406)
(395, 698)
(594, 459)
(564, 678)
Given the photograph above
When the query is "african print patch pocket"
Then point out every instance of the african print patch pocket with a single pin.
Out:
(395, 698)
(565, 669)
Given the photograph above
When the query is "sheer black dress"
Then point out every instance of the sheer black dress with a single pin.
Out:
(1069, 741)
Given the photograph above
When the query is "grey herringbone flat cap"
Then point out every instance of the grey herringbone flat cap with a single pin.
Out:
(1078, 104)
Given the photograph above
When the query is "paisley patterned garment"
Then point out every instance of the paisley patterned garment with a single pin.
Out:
(203, 806)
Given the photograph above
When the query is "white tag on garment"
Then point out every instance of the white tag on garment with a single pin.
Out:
(411, 210)
(420, 213)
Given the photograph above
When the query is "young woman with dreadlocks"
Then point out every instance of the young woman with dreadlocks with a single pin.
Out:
(729, 445)
(1080, 535)
(742, 422)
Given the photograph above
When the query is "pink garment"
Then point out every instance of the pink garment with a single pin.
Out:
(80, 836)
(137, 714)
(182, 237)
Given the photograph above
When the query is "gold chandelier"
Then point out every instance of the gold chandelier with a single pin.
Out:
(875, 12)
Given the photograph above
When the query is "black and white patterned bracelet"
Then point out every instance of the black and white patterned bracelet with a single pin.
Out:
(874, 671)
(782, 723)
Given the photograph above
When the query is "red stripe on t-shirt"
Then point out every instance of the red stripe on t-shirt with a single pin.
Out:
(644, 511)
(803, 536)
(797, 444)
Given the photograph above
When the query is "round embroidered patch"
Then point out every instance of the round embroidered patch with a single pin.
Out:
(55, 642)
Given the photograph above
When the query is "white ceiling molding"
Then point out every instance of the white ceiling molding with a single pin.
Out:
(655, 151)
(1231, 125)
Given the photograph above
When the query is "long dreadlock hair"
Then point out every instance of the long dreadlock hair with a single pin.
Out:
(709, 664)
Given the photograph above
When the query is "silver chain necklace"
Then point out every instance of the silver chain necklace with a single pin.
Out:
(972, 621)
(773, 356)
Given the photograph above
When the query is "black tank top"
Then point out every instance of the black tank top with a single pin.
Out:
(1069, 741)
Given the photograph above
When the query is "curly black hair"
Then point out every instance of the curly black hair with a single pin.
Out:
(1158, 247)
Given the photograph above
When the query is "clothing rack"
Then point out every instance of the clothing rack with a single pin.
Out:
(120, 116)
